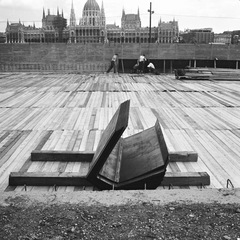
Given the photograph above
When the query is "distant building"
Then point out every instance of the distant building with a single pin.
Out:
(92, 25)
(91, 28)
(168, 32)
(202, 35)
(53, 30)
(2, 37)
(15, 32)
(224, 38)
(235, 37)
(132, 32)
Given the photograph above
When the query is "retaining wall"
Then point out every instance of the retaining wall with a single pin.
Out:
(96, 57)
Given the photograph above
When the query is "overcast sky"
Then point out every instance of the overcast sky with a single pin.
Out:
(220, 15)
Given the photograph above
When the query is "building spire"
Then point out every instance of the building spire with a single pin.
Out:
(72, 16)
(123, 12)
(102, 9)
(43, 14)
(103, 18)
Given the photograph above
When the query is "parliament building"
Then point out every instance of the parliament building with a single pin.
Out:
(91, 28)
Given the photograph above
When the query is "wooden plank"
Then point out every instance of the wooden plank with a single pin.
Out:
(78, 141)
(44, 140)
(183, 156)
(61, 156)
(72, 141)
(18, 157)
(185, 179)
(12, 145)
(202, 164)
(47, 179)
(53, 139)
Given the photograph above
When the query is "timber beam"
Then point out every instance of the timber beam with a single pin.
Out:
(69, 156)
(77, 179)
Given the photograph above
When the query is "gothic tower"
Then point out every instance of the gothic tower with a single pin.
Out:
(72, 17)
(102, 17)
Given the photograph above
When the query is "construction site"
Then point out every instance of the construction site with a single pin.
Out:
(71, 132)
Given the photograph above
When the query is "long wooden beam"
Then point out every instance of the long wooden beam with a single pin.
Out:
(62, 156)
(69, 156)
(76, 179)
(47, 179)
(186, 179)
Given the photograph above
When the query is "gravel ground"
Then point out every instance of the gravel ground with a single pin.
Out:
(170, 214)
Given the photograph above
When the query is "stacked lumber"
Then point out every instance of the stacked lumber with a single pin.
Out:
(193, 73)
(225, 74)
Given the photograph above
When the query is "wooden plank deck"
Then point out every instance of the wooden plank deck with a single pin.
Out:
(68, 112)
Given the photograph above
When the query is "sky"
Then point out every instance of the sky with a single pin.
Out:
(220, 15)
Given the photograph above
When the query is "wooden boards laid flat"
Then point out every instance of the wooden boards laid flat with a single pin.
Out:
(136, 162)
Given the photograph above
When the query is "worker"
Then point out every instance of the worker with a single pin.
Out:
(151, 67)
(142, 60)
(114, 64)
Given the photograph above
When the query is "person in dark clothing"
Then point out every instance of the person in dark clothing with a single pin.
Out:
(114, 64)
(136, 67)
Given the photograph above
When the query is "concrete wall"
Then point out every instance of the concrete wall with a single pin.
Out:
(96, 57)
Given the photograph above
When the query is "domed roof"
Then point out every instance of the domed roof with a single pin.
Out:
(91, 5)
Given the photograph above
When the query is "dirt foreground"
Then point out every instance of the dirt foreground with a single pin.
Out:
(159, 214)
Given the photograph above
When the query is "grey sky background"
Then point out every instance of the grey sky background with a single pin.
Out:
(220, 15)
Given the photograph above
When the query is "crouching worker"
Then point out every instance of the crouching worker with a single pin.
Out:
(151, 67)
(114, 64)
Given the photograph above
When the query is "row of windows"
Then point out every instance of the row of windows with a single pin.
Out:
(97, 32)
(131, 33)
(87, 40)
(131, 40)
(87, 32)
(90, 40)
(91, 13)
(167, 33)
